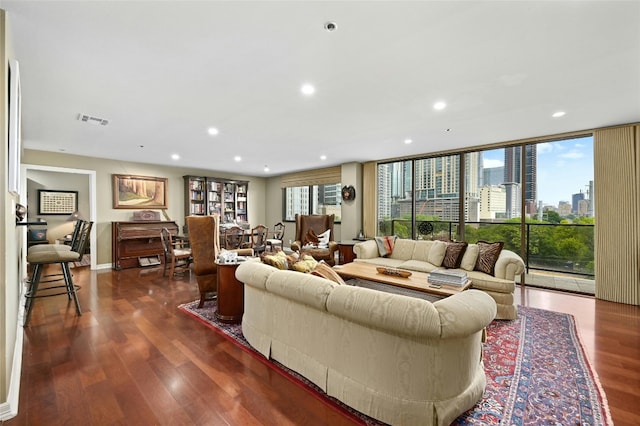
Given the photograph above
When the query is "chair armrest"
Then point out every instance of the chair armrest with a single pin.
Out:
(508, 265)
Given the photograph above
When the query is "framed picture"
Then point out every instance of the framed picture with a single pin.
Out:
(135, 192)
(57, 202)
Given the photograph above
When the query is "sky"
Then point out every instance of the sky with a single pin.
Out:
(564, 168)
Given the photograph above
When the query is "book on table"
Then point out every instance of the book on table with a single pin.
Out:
(448, 277)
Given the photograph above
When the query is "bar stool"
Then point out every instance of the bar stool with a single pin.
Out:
(75, 241)
(55, 256)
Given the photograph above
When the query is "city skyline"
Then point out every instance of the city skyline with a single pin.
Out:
(569, 162)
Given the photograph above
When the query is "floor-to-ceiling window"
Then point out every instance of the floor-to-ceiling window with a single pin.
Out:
(537, 198)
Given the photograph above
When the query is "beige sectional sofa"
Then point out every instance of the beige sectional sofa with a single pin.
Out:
(398, 359)
(426, 256)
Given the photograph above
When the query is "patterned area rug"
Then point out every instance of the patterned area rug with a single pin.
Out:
(537, 372)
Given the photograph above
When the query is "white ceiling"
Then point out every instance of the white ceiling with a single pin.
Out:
(162, 72)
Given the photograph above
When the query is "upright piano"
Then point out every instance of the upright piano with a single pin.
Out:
(136, 244)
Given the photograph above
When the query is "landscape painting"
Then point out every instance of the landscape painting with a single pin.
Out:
(134, 192)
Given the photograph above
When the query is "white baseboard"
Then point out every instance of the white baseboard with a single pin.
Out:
(9, 409)
(103, 266)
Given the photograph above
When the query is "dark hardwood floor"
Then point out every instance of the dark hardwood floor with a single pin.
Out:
(132, 358)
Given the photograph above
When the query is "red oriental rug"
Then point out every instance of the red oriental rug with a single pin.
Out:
(537, 372)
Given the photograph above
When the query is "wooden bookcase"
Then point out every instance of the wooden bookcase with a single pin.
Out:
(209, 195)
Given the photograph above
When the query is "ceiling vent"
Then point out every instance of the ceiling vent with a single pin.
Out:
(93, 120)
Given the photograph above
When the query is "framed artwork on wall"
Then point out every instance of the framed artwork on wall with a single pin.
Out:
(57, 202)
(135, 192)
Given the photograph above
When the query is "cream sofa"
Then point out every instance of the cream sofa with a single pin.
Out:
(398, 359)
(426, 256)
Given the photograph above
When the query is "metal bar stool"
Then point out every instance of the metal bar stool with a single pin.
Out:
(60, 256)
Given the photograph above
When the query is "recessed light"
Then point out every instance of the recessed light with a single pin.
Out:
(237, 158)
(307, 89)
(212, 131)
(323, 157)
(447, 130)
(558, 114)
(408, 141)
(330, 26)
(439, 105)
(175, 156)
(266, 169)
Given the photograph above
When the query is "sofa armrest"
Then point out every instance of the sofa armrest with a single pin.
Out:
(254, 274)
(509, 265)
(465, 313)
(366, 250)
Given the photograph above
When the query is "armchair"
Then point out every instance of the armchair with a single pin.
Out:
(204, 238)
(308, 228)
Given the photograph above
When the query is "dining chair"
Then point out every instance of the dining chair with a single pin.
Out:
(176, 254)
(259, 239)
(278, 237)
(234, 238)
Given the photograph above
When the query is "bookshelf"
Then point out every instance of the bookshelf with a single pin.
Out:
(210, 195)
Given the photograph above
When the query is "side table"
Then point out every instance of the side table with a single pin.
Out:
(345, 251)
(230, 294)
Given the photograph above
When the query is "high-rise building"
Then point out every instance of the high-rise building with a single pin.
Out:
(513, 173)
(492, 176)
(575, 199)
(493, 202)
(513, 197)
(564, 208)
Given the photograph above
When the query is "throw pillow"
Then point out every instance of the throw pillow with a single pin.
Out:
(278, 260)
(488, 256)
(306, 264)
(38, 234)
(469, 258)
(325, 271)
(385, 245)
(323, 239)
(453, 255)
(311, 237)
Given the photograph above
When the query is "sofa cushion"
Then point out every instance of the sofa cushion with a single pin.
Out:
(418, 265)
(488, 256)
(278, 260)
(469, 258)
(421, 250)
(436, 253)
(385, 245)
(325, 271)
(403, 249)
(453, 254)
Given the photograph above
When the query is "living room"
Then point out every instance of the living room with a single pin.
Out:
(265, 196)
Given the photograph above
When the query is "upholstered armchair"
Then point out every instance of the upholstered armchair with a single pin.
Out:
(308, 228)
(204, 239)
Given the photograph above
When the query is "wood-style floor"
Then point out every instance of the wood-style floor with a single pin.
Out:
(133, 359)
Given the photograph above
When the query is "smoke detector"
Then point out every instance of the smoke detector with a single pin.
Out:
(93, 120)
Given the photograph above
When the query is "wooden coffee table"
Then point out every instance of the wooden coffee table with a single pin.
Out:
(417, 281)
